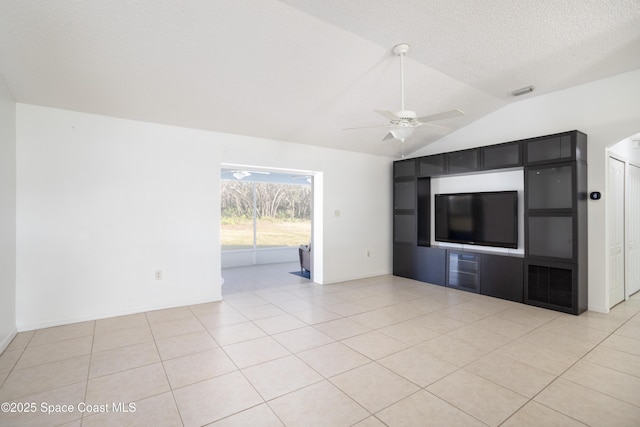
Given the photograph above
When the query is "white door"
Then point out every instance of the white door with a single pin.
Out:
(615, 230)
(633, 231)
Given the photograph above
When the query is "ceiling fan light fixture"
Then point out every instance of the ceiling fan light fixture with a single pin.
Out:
(402, 132)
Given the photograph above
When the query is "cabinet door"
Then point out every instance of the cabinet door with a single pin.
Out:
(404, 228)
(502, 156)
(432, 265)
(404, 168)
(549, 149)
(550, 236)
(502, 277)
(431, 165)
(463, 161)
(404, 195)
(463, 271)
(550, 187)
(404, 261)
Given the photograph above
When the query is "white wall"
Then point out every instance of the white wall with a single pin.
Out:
(104, 202)
(7, 216)
(624, 150)
(607, 110)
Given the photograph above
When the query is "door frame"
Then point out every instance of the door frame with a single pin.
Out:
(628, 217)
(608, 200)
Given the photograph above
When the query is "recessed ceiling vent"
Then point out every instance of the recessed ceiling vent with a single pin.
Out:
(522, 91)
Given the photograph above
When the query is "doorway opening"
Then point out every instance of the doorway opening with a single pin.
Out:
(266, 223)
(623, 219)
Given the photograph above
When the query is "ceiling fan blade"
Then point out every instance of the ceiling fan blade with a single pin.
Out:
(388, 114)
(433, 125)
(441, 116)
(367, 127)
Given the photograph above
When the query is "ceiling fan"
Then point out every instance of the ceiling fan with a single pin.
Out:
(402, 123)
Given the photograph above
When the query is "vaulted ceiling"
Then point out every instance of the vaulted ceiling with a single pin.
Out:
(302, 70)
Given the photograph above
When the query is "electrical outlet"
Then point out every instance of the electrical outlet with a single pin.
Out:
(158, 274)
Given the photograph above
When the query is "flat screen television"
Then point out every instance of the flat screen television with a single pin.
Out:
(487, 219)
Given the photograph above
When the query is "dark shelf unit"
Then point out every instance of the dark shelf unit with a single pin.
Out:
(405, 199)
(463, 271)
(552, 273)
(556, 222)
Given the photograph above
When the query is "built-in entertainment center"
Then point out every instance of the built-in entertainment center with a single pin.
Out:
(470, 240)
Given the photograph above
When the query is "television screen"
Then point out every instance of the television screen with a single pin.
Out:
(488, 219)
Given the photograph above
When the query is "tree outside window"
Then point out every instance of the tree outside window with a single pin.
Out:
(258, 215)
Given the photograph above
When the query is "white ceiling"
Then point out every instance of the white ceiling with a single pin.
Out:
(301, 70)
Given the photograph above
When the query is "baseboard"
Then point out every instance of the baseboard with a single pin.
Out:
(6, 340)
(355, 277)
(22, 327)
(598, 309)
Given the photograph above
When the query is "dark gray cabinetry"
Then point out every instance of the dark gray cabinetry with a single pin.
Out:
(405, 261)
(567, 146)
(423, 213)
(431, 165)
(554, 285)
(502, 277)
(497, 276)
(404, 218)
(498, 156)
(431, 265)
(553, 271)
(507, 155)
(555, 222)
(404, 168)
(463, 161)
(404, 195)
(463, 271)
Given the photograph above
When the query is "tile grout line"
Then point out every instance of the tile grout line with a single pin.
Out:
(173, 397)
(532, 399)
(86, 386)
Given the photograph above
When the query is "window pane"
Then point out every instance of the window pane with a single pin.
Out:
(236, 225)
(282, 213)
(274, 232)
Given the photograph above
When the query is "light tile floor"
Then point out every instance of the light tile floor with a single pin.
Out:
(280, 350)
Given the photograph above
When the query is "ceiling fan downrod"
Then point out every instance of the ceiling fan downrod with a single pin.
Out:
(401, 50)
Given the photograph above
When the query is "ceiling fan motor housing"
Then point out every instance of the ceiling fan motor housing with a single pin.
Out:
(406, 114)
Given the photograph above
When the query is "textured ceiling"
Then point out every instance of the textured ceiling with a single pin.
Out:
(301, 70)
